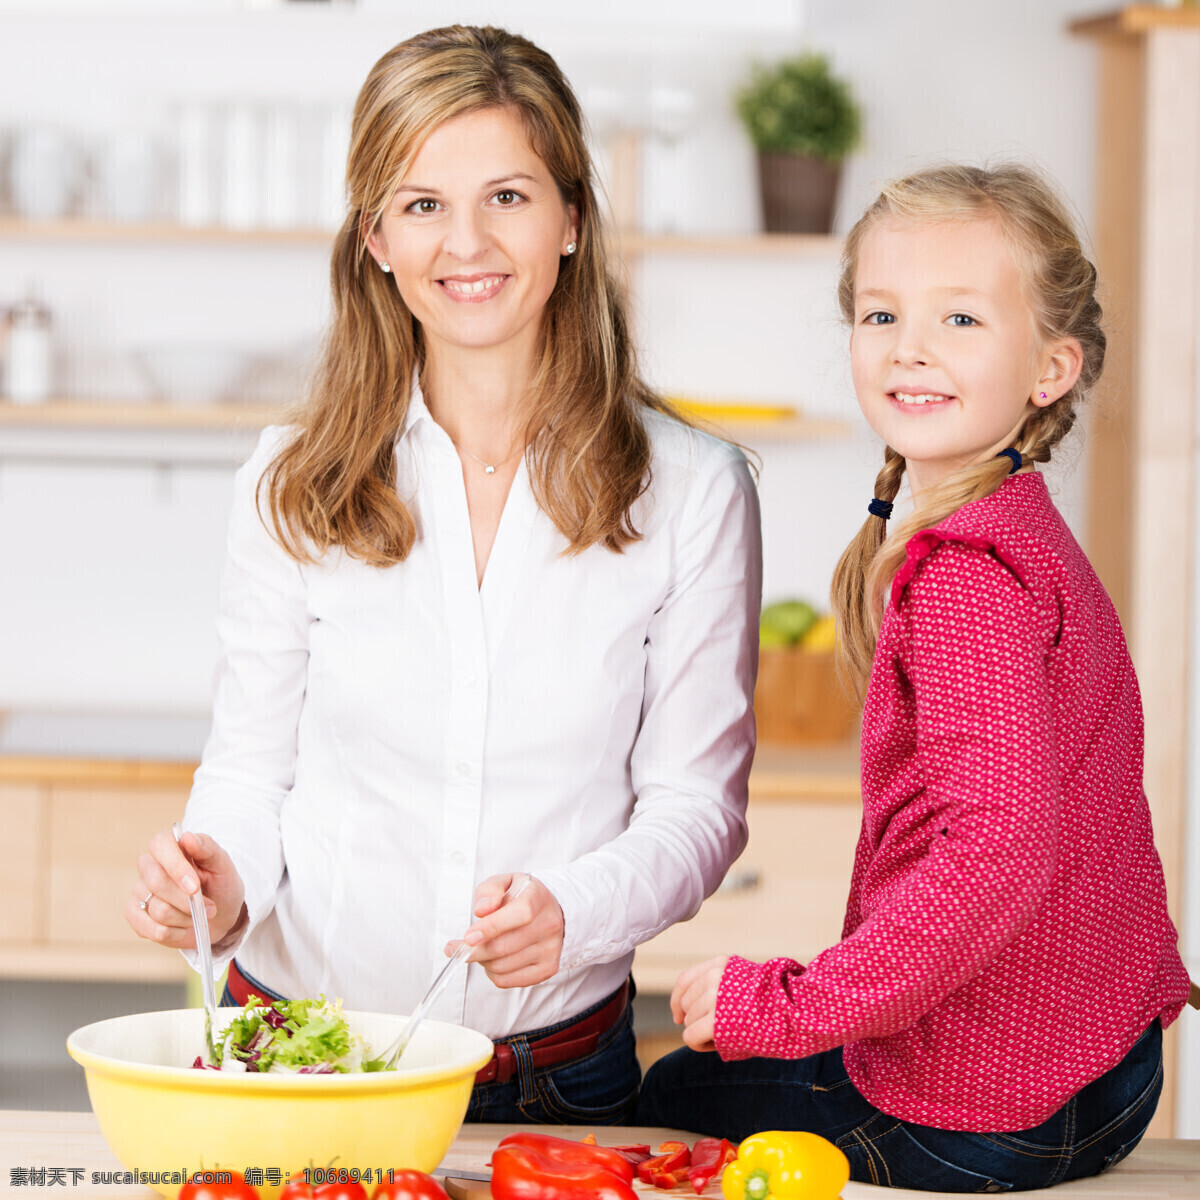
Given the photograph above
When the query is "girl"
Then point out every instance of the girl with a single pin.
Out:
(489, 609)
(992, 1018)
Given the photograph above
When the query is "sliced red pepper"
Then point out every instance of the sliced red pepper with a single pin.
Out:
(669, 1179)
(710, 1156)
(671, 1157)
(635, 1154)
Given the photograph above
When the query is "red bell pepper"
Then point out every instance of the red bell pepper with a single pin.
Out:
(535, 1166)
(710, 1156)
(668, 1168)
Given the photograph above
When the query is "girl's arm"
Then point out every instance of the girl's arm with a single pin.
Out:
(249, 761)
(690, 764)
(983, 829)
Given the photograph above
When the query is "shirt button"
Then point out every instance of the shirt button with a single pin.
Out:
(463, 768)
(457, 858)
(470, 680)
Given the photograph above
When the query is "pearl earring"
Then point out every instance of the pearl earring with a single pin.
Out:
(385, 268)
(572, 247)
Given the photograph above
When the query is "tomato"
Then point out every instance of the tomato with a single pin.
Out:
(299, 1189)
(339, 1191)
(410, 1185)
(236, 1189)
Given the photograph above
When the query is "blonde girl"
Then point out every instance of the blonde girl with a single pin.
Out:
(489, 611)
(992, 1018)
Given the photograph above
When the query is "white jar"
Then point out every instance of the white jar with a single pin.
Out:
(28, 369)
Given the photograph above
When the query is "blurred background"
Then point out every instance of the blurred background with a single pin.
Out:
(170, 172)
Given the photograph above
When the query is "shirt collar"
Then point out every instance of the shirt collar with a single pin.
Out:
(417, 411)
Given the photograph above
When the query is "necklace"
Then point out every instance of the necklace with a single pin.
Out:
(488, 468)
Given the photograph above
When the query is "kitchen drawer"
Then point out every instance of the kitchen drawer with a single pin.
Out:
(95, 837)
(785, 895)
(22, 882)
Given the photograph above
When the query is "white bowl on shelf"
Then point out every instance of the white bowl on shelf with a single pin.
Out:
(194, 374)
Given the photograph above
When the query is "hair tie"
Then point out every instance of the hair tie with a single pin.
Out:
(880, 508)
(1015, 455)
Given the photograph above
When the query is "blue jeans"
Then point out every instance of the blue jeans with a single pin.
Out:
(599, 1089)
(1097, 1127)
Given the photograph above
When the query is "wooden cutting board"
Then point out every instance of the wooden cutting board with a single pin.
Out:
(467, 1189)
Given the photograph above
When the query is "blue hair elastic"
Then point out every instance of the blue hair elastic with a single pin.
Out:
(1015, 455)
(880, 508)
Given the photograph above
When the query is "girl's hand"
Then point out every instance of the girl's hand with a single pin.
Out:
(520, 942)
(694, 1002)
(171, 871)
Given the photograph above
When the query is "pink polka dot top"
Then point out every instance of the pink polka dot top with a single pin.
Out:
(1006, 937)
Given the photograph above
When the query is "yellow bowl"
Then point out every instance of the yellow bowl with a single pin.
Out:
(159, 1116)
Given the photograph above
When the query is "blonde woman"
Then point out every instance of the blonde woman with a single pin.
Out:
(489, 610)
(992, 1018)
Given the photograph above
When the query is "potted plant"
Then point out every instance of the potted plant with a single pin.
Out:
(803, 122)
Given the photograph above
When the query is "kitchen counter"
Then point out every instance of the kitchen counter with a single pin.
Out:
(1164, 1170)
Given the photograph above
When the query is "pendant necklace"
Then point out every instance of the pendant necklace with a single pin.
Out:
(488, 468)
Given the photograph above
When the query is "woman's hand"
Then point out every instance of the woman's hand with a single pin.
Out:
(694, 1002)
(519, 942)
(171, 871)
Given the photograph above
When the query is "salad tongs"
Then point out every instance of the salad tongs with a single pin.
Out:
(397, 1048)
(204, 949)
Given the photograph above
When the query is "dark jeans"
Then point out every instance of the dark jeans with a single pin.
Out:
(1095, 1128)
(599, 1089)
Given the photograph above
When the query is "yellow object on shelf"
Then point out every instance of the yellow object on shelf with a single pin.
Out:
(711, 410)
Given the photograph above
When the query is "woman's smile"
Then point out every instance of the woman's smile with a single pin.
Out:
(472, 289)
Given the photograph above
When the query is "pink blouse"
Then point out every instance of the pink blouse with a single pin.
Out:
(1006, 937)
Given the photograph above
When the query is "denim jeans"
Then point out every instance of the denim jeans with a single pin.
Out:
(600, 1088)
(1097, 1127)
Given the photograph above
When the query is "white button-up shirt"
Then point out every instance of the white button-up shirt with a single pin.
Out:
(385, 739)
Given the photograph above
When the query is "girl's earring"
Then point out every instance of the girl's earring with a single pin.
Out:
(386, 268)
(572, 247)
(1041, 395)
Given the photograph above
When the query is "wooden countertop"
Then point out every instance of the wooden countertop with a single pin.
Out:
(780, 772)
(1164, 1170)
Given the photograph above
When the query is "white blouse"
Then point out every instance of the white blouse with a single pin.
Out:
(385, 739)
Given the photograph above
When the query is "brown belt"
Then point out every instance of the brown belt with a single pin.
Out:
(576, 1040)
(572, 1042)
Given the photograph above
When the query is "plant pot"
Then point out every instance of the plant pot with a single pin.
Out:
(798, 193)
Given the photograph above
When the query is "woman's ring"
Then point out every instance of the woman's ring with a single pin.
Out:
(149, 897)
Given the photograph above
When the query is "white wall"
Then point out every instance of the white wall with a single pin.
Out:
(748, 329)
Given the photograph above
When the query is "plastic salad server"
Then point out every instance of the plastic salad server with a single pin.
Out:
(204, 949)
(393, 1052)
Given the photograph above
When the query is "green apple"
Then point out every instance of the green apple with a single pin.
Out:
(785, 623)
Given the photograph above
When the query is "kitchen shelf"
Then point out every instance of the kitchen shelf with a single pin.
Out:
(1138, 18)
(787, 245)
(100, 414)
(82, 414)
(158, 231)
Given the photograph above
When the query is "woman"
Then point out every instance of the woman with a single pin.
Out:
(501, 621)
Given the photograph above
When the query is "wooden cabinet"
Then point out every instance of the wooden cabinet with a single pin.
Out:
(1142, 534)
(22, 817)
(73, 833)
(786, 894)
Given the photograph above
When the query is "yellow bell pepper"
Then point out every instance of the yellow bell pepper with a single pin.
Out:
(786, 1166)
